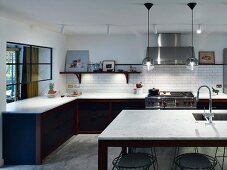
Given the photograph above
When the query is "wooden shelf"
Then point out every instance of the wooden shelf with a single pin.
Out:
(79, 74)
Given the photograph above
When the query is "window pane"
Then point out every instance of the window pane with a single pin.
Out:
(44, 55)
(13, 93)
(10, 74)
(10, 57)
(44, 72)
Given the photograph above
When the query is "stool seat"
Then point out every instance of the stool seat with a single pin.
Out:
(134, 160)
(195, 161)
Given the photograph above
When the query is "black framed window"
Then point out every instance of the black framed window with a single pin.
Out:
(26, 66)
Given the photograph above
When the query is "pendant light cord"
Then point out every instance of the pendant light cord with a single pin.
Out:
(148, 40)
(192, 36)
(191, 6)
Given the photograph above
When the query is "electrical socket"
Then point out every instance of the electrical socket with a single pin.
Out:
(218, 86)
(69, 86)
(76, 86)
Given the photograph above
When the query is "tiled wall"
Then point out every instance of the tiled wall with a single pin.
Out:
(162, 77)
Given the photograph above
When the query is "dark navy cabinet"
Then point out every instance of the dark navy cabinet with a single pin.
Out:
(95, 115)
(119, 105)
(29, 137)
(20, 136)
(218, 104)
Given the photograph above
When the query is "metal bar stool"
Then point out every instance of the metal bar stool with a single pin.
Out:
(195, 161)
(223, 156)
(136, 160)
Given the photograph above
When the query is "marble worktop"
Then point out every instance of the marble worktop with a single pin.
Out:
(41, 104)
(163, 125)
(140, 96)
(37, 105)
(112, 96)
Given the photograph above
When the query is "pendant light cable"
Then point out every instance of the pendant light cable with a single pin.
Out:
(147, 61)
(148, 31)
(192, 33)
(191, 62)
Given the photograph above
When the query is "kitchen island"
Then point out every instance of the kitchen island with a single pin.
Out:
(163, 128)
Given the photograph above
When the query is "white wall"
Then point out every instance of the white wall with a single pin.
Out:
(130, 49)
(124, 49)
(208, 42)
(2, 83)
(22, 33)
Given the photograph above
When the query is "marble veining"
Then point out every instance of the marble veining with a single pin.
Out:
(163, 125)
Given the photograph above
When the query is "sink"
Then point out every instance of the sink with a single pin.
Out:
(217, 117)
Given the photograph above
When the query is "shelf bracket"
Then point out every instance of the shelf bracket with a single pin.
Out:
(126, 76)
(78, 75)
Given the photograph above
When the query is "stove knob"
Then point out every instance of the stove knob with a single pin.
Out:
(164, 103)
(148, 101)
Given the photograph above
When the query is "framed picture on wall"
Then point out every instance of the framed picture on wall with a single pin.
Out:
(77, 60)
(108, 65)
(206, 57)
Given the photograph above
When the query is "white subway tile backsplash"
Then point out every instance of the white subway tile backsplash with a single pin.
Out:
(162, 77)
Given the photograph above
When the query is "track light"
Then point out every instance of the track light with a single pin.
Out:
(108, 29)
(62, 28)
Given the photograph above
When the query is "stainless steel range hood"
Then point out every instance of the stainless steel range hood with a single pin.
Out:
(169, 50)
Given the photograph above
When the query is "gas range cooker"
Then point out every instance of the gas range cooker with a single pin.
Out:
(171, 100)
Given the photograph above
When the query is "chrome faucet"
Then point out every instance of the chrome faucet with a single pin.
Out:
(210, 114)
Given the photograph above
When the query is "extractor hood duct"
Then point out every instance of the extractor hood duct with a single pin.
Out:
(169, 50)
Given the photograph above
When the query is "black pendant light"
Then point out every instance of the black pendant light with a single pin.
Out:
(192, 62)
(148, 63)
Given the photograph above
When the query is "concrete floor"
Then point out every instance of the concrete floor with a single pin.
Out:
(80, 153)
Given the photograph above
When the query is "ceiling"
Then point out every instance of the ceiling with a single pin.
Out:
(117, 16)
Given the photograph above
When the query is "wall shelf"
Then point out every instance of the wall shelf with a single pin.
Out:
(79, 74)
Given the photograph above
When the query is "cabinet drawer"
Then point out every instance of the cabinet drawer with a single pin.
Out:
(128, 105)
(93, 120)
(117, 107)
(93, 106)
(215, 105)
(53, 119)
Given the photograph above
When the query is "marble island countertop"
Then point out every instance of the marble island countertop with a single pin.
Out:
(163, 125)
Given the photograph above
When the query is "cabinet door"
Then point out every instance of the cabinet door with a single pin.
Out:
(93, 116)
(19, 139)
(119, 105)
(216, 104)
(57, 126)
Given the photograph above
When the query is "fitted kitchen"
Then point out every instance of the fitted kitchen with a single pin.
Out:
(86, 87)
